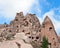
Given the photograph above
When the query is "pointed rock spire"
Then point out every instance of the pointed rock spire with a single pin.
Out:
(33, 19)
(48, 30)
(47, 19)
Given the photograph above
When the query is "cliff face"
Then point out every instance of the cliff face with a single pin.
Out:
(48, 30)
(32, 28)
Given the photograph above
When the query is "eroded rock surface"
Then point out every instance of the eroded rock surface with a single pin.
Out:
(19, 41)
(32, 30)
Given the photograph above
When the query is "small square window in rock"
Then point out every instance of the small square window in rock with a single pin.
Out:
(39, 30)
(50, 28)
(10, 31)
(24, 19)
(35, 40)
(17, 13)
(28, 33)
(16, 19)
(23, 30)
(29, 36)
(37, 37)
(53, 38)
(26, 23)
(17, 26)
(32, 37)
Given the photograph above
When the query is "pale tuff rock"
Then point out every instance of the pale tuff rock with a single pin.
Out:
(22, 36)
(8, 44)
(23, 40)
(32, 30)
(18, 42)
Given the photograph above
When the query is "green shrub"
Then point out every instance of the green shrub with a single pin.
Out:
(44, 42)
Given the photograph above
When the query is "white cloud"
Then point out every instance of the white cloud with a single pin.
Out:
(8, 8)
(56, 23)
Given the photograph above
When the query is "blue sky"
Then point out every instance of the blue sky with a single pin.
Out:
(9, 8)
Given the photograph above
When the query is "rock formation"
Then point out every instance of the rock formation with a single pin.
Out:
(31, 27)
(17, 42)
(47, 29)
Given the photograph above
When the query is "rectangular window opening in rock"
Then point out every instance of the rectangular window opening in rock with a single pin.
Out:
(26, 23)
(16, 19)
(50, 28)
(23, 30)
(10, 31)
(39, 30)
(28, 33)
